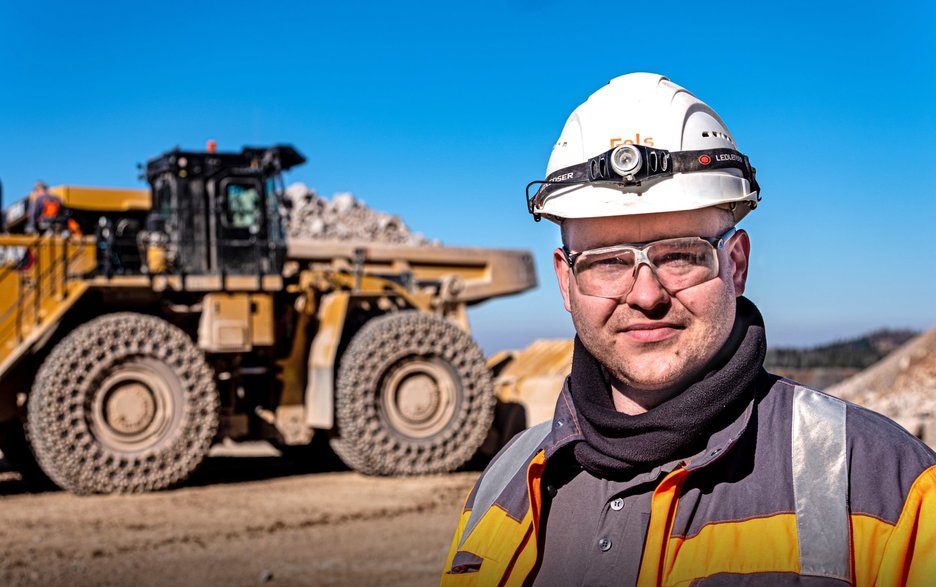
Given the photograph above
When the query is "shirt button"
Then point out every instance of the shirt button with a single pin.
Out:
(617, 504)
(604, 544)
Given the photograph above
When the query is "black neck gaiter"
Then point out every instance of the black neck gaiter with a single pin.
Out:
(617, 446)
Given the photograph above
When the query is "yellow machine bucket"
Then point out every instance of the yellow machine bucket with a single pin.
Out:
(532, 377)
(40, 278)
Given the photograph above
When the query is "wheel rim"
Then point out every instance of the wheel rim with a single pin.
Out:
(419, 397)
(133, 408)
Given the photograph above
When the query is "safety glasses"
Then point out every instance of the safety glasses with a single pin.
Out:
(677, 263)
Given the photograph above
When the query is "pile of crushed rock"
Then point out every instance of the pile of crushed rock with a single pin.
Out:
(901, 386)
(344, 218)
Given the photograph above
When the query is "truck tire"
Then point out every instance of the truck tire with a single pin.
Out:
(414, 396)
(125, 403)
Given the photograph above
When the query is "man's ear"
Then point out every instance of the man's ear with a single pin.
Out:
(562, 275)
(740, 255)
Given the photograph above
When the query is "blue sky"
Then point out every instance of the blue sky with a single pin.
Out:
(442, 112)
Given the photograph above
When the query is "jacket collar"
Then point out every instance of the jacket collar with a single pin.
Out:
(567, 430)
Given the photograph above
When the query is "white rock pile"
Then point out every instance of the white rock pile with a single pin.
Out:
(344, 218)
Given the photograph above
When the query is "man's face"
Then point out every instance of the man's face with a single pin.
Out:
(650, 339)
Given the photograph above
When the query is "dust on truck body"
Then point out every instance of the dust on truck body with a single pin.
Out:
(127, 354)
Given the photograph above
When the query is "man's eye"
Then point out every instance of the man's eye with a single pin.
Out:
(678, 258)
(611, 263)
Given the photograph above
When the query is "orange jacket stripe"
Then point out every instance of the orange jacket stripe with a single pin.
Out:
(656, 559)
(914, 538)
(528, 557)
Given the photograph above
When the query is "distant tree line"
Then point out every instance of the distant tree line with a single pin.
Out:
(858, 353)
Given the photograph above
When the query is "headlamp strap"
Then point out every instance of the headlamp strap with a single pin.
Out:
(654, 164)
(691, 161)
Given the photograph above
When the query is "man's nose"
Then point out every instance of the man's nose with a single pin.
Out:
(646, 293)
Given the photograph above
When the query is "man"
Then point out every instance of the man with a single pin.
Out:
(44, 210)
(673, 457)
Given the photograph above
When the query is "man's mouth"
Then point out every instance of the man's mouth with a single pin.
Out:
(651, 331)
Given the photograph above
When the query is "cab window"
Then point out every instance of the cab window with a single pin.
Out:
(243, 206)
(163, 196)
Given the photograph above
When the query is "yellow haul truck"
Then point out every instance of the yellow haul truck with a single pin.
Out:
(184, 316)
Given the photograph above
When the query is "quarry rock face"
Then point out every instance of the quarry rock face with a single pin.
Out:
(901, 386)
(344, 218)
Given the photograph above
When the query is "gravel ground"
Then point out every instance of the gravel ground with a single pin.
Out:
(245, 520)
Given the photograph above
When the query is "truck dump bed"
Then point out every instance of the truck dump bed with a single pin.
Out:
(473, 274)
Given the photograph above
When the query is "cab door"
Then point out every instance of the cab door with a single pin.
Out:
(243, 240)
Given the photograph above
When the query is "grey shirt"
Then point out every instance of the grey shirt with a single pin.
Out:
(595, 529)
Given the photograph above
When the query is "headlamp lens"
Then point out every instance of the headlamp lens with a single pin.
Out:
(625, 160)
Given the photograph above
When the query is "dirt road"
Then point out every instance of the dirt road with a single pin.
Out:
(245, 520)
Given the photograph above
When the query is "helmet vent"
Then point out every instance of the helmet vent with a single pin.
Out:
(718, 135)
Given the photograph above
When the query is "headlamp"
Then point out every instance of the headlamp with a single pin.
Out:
(631, 165)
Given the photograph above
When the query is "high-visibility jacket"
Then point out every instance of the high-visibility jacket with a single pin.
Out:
(49, 206)
(44, 209)
(807, 488)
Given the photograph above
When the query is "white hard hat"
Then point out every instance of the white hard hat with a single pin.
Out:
(642, 144)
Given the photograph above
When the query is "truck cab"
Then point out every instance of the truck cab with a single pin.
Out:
(218, 213)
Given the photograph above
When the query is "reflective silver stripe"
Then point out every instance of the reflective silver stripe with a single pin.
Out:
(502, 471)
(820, 484)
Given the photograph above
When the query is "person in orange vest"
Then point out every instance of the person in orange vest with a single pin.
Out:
(673, 457)
(46, 209)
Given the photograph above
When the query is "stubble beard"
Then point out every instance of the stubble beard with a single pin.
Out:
(666, 367)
